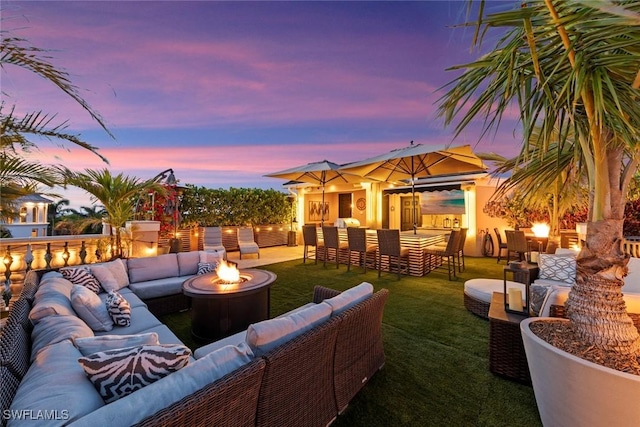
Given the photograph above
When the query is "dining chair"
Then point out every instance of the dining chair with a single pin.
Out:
(246, 242)
(332, 241)
(213, 241)
(435, 255)
(389, 246)
(357, 242)
(501, 244)
(516, 244)
(310, 238)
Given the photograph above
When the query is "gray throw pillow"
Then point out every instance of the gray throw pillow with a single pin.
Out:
(91, 309)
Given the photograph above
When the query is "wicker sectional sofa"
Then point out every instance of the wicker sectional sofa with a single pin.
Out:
(301, 368)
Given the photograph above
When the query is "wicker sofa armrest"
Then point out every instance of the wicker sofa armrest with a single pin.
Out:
(320, 293)
(229, 401)
(297, 387)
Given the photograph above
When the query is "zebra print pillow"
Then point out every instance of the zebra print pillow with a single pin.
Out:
(119, 309)
(82, 277)
(207, 267)
(120, 372)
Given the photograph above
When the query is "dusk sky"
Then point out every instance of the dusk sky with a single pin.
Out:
(225, 92)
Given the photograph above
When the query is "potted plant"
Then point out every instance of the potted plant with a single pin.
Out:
(573, 70)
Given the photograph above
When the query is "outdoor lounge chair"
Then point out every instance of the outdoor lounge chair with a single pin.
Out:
(246, 242)
(213, 241)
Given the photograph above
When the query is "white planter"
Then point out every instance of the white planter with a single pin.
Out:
(571, 391)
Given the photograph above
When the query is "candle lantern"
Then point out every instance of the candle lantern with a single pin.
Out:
(516, 292)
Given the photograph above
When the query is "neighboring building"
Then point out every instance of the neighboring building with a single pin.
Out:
(32, 219)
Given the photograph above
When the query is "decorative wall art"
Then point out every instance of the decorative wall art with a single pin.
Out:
(442, 202)
(315, 211)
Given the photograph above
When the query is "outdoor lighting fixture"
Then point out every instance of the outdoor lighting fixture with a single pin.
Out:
(291, 237)
(513, 296)
(65, 254)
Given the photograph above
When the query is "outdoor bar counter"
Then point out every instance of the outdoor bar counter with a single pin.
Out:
(415, 242)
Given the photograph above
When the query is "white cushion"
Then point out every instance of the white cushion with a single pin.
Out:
(350, 297)
(632, 280)
(90, 345)
(91, 309)
(236, 339)
(264, 336)
(483, 289)
(557, 267)
(558, 295)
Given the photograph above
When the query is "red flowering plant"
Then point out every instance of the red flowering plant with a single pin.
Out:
(165, 211)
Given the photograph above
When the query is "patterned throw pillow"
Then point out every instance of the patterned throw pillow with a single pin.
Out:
(119, 309)
(120, 372)
(557, 267)
(207, 267)
(82, 277)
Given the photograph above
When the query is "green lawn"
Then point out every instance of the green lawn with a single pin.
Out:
(437, 353)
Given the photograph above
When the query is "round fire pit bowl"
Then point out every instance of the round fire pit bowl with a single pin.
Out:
(220, 309)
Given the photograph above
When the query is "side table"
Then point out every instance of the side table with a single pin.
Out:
(506, 351)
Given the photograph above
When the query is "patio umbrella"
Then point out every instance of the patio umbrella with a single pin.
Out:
(417, 161)
(319, 173)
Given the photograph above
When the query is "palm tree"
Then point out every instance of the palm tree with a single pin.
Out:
(561, 190)
(56, 209)
(117, 193)
(573, 70)
(86, 220)
(18, 178)
(16, 131)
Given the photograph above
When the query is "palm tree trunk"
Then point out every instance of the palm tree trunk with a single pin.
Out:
(595, 306)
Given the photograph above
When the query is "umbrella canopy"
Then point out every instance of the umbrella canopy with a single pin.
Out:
(417, 161)
(319, 173)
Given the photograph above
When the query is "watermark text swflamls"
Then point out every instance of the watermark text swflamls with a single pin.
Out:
(35, 415)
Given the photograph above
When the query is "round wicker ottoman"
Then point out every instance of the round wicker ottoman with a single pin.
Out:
(478, 293)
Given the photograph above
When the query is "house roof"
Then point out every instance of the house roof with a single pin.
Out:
(33, 198)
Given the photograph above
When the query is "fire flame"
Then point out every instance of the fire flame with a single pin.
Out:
(228, 273)
(540, 229)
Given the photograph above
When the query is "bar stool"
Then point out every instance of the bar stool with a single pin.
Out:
(331, 241)
(357, 242)
(310, 237)
(460, 255)
(389, 246)
(435, 255)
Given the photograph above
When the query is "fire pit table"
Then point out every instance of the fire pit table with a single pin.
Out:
(220, 309)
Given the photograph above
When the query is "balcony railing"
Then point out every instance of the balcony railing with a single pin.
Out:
(19, 255)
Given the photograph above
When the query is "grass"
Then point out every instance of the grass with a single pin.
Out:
(437, 353)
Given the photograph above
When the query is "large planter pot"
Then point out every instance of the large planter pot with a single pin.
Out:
(571, 391)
